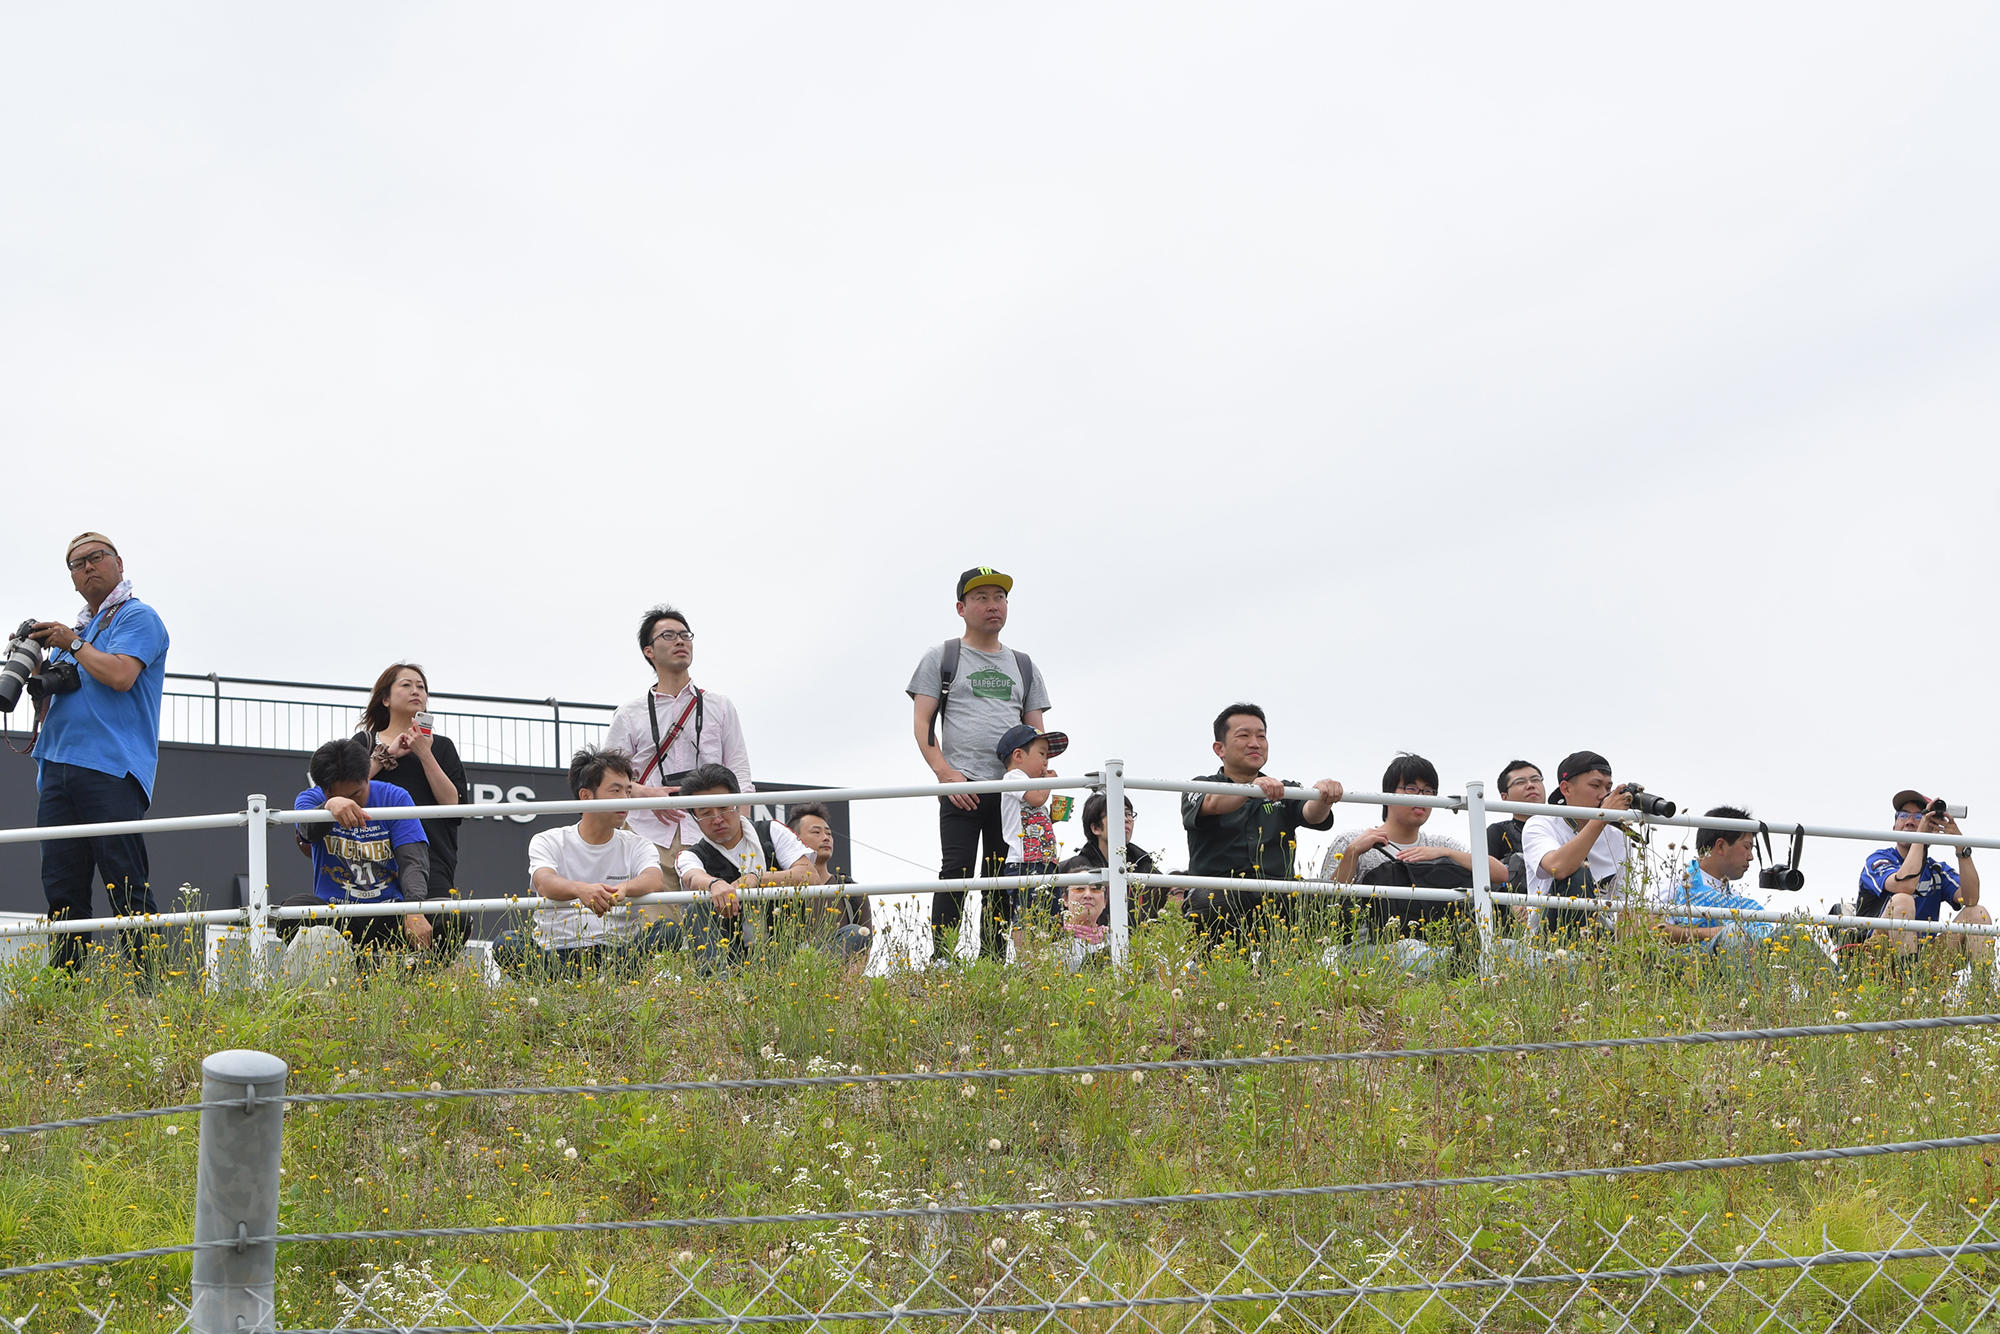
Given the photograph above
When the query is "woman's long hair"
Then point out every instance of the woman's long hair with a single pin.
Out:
(376, 716)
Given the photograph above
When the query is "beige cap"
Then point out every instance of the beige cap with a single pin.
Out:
(79, 540)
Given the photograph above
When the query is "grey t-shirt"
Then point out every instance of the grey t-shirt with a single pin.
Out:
(987, 698)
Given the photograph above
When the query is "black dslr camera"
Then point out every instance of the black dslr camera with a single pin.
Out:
(18, 661)
(1784, 875)
(1646, 803)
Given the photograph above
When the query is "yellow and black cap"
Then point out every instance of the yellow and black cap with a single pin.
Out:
(983, 577)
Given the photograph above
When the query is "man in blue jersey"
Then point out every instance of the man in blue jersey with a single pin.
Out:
(1906, 882)
(357, 859)
(100, 743)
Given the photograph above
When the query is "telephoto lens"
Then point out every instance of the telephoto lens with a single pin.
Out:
(1648, 804)
(23, 655)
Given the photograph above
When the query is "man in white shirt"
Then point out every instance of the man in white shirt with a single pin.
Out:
(594, 867)
(729, 857)
(671, 729)
(1570, 858)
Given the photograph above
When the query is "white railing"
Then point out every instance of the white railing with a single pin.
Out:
(259, 914)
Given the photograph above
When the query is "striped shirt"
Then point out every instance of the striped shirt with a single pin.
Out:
(1696, 889)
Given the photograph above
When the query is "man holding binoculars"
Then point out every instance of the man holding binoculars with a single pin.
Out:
(1906, 883)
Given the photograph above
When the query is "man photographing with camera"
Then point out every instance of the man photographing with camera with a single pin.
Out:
(99, 746)
(1906, 883)
(1568, 858)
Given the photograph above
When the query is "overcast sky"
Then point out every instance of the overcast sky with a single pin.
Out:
(1475, 380)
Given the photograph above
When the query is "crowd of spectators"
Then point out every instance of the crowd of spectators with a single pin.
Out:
(978, 712)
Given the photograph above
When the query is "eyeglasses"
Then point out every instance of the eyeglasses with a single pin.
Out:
(1911, 816)
(674, 637)
(88, 558)
(1416, 792)
(1513, 783)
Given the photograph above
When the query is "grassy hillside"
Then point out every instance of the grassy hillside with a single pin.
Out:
(77, 1046)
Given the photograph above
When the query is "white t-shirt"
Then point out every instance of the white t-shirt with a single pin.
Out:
(1381, 852)
(571, 926)
(749, 851)
(1543, 834)
(1029, 830)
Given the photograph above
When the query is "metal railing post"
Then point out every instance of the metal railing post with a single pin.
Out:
(1482, 878)
(215, 681)
(260, 938)
(1114, 861)
(555, 709)
(235, 1287)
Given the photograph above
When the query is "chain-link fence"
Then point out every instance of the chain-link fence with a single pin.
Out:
(1942, 1272)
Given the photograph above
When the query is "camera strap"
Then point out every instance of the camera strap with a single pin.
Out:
(1770, 858)
(694, 706)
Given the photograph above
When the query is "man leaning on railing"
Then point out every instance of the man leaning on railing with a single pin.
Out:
(99, 747)
(1243, 837)
(360, 859)
(593, 868)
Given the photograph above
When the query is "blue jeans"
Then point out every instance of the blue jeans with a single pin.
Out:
(516, 952)
(71, 794)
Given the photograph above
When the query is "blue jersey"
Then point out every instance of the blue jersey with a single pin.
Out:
(359, 865)
(1935, 887)
(112, 731)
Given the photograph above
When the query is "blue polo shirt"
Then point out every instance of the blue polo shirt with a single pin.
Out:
(1936, 886)
(359, 865)
(112, 731)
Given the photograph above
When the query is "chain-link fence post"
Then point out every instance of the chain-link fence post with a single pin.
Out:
(236, 1193)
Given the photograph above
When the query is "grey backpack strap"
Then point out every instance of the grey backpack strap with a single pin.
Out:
(947, 668)
(1027, 667)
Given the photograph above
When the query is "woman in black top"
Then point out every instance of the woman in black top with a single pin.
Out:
(423, 764)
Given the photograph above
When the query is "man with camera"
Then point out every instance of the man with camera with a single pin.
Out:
(1584, 859)
(672, 729)
(99, 747)
(1905, 883)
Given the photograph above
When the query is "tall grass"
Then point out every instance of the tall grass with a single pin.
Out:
(95, 1042)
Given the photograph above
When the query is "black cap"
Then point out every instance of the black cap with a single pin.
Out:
(981, 577)
(1582, 762)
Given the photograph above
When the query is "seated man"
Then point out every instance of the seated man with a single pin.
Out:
(1396, 852)
(360, 860)
(1520, 781)
(594, 866)
(1568, 858)
(1244, 837)
(1401, 834)
(1905, 882)
(730, 857)
(842, 925)
(1722, 857)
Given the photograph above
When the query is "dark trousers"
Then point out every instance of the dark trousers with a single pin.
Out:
(960, 834)
(72, 794)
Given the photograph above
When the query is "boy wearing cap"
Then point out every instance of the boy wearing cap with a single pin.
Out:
(99, 747)
(1905, 882)
(1026, 822)
(966, 693)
